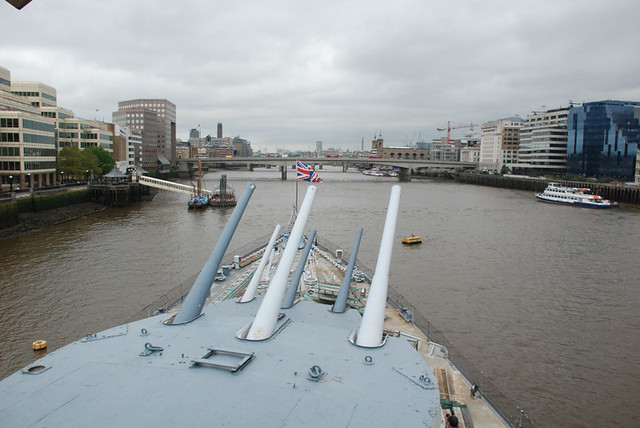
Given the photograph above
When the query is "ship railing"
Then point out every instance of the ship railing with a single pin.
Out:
(505, 407)
(175, 296)
(166, 301)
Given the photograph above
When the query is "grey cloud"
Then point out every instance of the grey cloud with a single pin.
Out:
(289, 73)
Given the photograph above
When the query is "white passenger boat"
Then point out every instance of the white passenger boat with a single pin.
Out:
(575, 196)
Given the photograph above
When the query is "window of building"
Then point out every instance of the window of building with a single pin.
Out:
(38, 152)
(10, 137)
(9, 123)
(9, 151)
(43, 139)
(40, 165)
(38, 126)
(10, 166)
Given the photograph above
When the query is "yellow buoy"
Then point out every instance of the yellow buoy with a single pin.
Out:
(410, 240)
(39, 344)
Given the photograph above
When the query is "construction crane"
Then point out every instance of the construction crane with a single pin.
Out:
(449, 128)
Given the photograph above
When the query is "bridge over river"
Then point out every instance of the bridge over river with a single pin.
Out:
(404, 166)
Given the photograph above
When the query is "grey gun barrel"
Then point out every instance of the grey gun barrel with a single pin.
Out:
(290, 296)
(194, 302)
(340, 305)
(372, 323)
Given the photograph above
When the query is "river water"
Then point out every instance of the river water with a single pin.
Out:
(542, 299)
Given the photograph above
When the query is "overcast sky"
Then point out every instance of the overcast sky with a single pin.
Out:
(289, 73)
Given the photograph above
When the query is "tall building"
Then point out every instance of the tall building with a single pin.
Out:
(499, 143)
(543, 143)
(318, 148)
(145, 121)
(603, 139)
(131, 112)
(27, 139)
(219, 130)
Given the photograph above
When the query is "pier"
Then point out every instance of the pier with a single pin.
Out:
(118, 194)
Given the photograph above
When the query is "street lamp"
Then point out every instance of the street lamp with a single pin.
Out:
(62, 178)
(29, 179)
(86, 176)
(11, 183)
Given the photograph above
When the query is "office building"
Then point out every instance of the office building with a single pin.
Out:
(132, 114)
(441, 150)
(499, 143)
(543, 143)
(83, 133)
(145, 121)
(603, 138)
(128, 146)
(27, 139)
(37, 94)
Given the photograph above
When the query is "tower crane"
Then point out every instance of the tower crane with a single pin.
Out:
(449, 128)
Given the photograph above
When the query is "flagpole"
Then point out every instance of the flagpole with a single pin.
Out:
(296, 207)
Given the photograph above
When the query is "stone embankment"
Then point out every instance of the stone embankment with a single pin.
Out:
(33, 221)
(618, 192)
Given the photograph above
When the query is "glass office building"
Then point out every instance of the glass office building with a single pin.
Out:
(603, 138)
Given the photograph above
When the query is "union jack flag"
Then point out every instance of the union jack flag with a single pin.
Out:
(306, 173)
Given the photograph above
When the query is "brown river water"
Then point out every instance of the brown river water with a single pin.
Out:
(542, 299)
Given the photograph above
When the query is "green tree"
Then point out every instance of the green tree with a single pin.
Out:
(70, 160)
(90, 163)
(105, 161)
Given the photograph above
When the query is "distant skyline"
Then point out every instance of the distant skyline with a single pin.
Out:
(285, 74)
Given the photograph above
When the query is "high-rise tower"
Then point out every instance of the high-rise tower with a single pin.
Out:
(159, 137)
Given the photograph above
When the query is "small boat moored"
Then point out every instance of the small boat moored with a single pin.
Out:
(581, 197)
(198, 202)
(412, 240)
(200, 197)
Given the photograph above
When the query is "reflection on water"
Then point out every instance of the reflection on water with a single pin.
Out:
(543, 299)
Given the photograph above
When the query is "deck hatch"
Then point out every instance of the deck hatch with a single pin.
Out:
(224, 360)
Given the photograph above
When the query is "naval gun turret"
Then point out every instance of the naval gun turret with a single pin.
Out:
(194, 302)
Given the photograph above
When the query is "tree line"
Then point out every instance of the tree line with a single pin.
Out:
(76, 163)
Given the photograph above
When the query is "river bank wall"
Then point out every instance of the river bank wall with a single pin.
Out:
(618, 192)
(40, 210)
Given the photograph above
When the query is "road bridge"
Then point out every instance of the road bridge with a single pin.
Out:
(405, 166)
